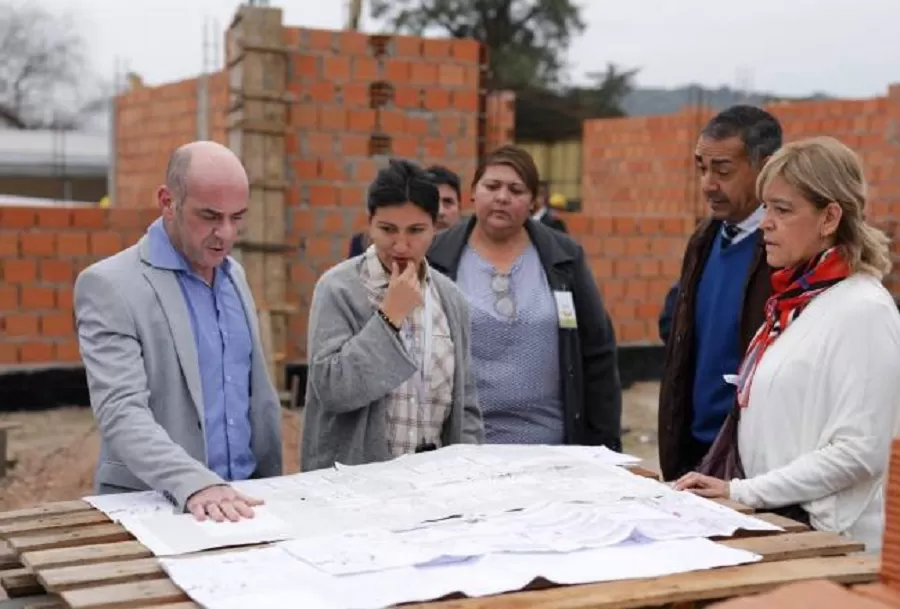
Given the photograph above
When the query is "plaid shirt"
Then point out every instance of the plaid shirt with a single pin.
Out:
(409, 422)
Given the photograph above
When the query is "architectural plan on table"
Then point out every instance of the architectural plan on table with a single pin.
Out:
(477, 519)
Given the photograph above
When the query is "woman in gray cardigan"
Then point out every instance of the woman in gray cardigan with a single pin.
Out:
(388, 351)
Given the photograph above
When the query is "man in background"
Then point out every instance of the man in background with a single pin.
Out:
(542, 213)
(450, 191)
(718, 303)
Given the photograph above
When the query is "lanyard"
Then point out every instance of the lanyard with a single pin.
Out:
(420, 378)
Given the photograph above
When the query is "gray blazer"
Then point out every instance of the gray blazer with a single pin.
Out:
(136, 341)
(355, 360)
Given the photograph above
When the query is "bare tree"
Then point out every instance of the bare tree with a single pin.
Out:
(44, 76)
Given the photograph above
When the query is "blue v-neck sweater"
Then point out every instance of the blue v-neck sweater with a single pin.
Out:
(720, 297)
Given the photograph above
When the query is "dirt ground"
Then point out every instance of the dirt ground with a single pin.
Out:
(55, 451)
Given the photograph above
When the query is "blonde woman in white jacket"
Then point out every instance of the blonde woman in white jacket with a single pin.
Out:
(818, 392)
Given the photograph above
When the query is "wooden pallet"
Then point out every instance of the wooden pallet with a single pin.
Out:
(76, 554)
(5, 461)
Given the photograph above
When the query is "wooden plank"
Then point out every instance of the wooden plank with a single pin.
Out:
(46, 604)
(9, 558)
(643, 472)
(125, 596)
(103, 574)
(791, 546)
(18, 583)
(56, 521)
(85, 555)
(789, 526)
(47, 509)
(96, 533)
(696, 586)
(804, 595)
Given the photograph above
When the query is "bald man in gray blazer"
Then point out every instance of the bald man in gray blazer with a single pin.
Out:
(170, 342)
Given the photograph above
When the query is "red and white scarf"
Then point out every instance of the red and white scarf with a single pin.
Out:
(792, 290)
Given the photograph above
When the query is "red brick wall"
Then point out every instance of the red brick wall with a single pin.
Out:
(641, 197)
(41, 252)
(640, 194)
(872, 128)
(500, 120)
(634, 259)
(430, 117)
(150, 123)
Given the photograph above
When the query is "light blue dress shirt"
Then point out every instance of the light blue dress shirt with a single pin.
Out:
(224, 351)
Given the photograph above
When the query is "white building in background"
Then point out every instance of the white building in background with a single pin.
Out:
(50, 165)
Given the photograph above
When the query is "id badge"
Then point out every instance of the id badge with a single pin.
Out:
(565, 309)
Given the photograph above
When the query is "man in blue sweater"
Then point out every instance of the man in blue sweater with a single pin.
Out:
(722, 290)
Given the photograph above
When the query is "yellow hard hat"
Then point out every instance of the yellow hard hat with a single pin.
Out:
(104, 202)
(558, 200)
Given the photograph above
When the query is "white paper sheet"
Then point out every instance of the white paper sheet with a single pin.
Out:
(479, 499)
(257, 578)
(359, 551)
(131, 505)
(174, 534)
(251, 578)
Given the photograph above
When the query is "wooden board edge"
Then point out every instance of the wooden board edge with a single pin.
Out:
(709, 585)
(47, 509)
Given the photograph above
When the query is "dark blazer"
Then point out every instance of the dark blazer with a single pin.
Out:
(676, 410)
(357, 245)
(589, 371)
(665, 317)
(549, 219)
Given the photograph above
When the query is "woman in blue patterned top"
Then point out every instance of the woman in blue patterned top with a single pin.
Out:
(543, 346)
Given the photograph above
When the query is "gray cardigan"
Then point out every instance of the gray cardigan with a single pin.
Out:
(356, 360)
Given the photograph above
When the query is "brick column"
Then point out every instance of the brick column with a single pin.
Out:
(257, 117)
(500, 119)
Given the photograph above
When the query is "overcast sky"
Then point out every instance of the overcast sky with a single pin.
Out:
(789, 47)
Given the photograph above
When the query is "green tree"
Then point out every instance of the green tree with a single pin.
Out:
(527, 38)
(542, 114)
(604, 97)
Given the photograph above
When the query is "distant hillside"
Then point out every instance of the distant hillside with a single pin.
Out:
(647, 101)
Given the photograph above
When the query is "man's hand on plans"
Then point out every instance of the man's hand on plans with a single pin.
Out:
(221, 503)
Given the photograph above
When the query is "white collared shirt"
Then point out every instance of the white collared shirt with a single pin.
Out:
(415, 418)
(748, 225)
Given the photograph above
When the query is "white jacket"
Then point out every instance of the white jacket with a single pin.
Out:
(823, 410)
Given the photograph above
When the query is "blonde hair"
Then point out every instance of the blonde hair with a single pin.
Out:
(823, 170)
